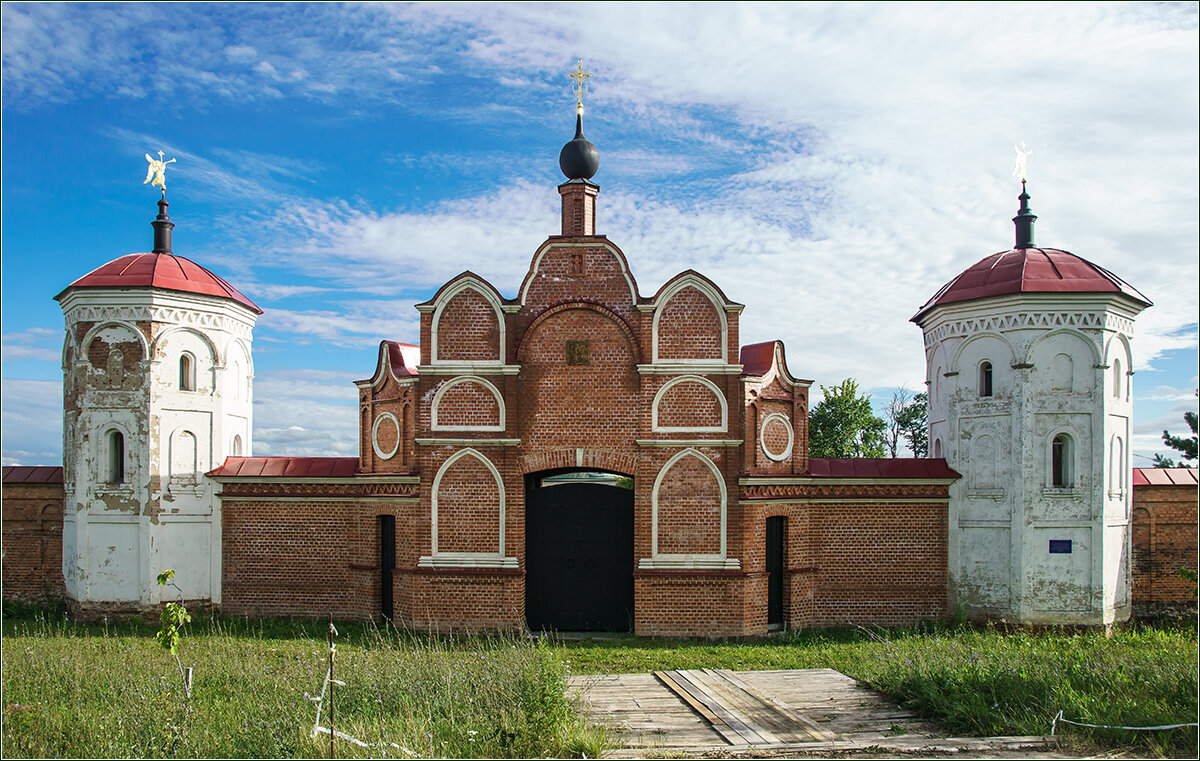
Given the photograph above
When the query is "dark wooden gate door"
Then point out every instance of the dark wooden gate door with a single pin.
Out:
(387, 562)
(579, 558)
(775, 533)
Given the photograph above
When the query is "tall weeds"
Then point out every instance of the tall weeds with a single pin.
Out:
(112, 692)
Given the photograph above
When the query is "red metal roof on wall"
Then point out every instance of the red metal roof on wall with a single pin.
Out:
(166, 271)
(1030, 270)
(1165, 477)
(396, 355)
(287, 467)
(756, 359)
(884, 467)
(33, 474)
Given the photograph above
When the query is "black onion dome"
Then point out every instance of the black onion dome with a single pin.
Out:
(579, 159)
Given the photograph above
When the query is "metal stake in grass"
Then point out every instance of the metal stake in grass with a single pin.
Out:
(332, 728)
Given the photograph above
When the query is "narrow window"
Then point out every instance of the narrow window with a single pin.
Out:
(1117, 466)
(187, 372)
(1060, 461)
(236, 447)
(116, 457)
(985, 379)
(1117, 378)
(937, 448)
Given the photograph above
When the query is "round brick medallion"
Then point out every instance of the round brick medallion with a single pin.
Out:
(775, 436)
(385, 436)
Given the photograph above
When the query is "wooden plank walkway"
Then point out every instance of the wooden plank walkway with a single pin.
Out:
(750, 712)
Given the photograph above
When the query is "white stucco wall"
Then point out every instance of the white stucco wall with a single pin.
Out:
(119, 537)
(1053, 372)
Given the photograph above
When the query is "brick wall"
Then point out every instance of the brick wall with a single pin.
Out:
(32, 536)
(1164, 539)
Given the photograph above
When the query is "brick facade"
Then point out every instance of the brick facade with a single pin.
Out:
(580, 372)
(33, 526)
(1164, 540)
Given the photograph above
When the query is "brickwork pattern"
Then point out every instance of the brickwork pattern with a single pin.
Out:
(468, 507)
(467, 403)
(689, 404)
(691, 327)
(689, 509)
(578, 405)
(468, 328)
(1164, 540)
(32, 536)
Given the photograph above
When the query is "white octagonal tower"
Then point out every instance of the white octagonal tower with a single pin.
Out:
(1029, 375)
(156, 391)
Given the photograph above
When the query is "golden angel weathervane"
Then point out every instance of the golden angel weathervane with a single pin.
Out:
(580, 85)
(1019, 161)
(156, 173)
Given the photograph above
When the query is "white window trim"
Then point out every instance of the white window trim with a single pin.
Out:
(465, 559)
(488, 296)
(696, 561)
(656, 428)
(437, 400)
(664, 299)
(1070, 462)
(762, 439)
(380, 419)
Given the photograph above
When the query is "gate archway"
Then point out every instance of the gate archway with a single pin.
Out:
(579, 551)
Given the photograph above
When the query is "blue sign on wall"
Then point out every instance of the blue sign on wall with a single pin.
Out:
(1060, 546)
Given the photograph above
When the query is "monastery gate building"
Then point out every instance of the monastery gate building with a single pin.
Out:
(579, 456)
(721, 525)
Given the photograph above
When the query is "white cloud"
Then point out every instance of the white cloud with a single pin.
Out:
(41, 344)
(33, 414)
(306, 413)
(362, 324)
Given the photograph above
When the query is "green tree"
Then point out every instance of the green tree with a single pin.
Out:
(1185, 445)
(843, 425)
(914, 425)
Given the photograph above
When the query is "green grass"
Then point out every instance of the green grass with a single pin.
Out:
(79, 691)
(72, 690)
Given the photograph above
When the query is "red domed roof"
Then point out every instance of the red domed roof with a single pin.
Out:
(1030, 270)
(166, 271)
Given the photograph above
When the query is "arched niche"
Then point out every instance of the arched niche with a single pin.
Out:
(689, 403)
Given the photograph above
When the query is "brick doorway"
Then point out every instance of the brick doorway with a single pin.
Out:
(579, 551)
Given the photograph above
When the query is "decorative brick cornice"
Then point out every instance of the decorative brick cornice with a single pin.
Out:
(348, 490)
(812, 490)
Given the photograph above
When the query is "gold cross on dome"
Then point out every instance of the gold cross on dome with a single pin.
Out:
(580, 86)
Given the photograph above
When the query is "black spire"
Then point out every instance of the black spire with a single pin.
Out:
(1024, 221)
(579, 159)
(162, 228)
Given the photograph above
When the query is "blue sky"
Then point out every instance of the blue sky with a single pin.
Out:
(828, 165)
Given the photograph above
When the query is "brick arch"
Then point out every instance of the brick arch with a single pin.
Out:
(711, 306)
(579, 457)
(558, 308)
(694, 407)
(457, 295)
(487, 413)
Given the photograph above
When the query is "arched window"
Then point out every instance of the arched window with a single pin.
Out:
(1117, 378)
(937, 448)
(1060, 462)
(235, 448)
(985, 378)
(187, 372)
(116, 457)
(235, 379)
